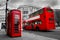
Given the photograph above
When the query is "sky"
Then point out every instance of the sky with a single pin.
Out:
(39, 3)
(14, 4)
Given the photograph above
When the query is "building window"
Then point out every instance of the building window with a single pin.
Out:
(25, 12)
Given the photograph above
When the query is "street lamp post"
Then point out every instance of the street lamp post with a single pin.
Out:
(6, 10)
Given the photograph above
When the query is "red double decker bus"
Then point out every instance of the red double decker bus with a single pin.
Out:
(42, 19)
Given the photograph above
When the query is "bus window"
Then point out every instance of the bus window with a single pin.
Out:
(49, 10)
(25, 23)
(34, 14)
(40, 22)
(28, 23)
(51, 19)
(31, 15)
(32, 23)
(40, 11)
(36, 23)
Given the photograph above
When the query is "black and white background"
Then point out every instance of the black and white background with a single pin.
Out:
(29, 6)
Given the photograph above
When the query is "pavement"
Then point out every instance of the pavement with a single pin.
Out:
(30, 35)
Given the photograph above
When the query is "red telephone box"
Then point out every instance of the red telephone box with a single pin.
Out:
(14, 23)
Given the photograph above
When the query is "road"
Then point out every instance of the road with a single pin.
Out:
(33, 35)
